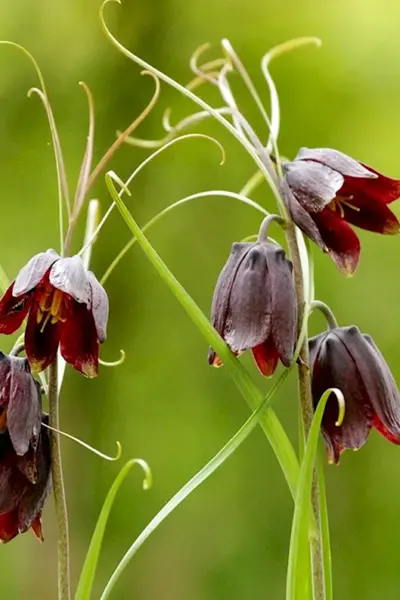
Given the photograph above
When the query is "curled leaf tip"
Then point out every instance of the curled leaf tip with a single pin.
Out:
(114, 363)
(111, 174)
(341, 405)
(148, 475)
(85, 445)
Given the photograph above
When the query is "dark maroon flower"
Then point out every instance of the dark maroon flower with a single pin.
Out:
(24, 450)
(20, 403)
(325, 190)
(254, 305)
(346, 359)
(65, 305)
(25, 482)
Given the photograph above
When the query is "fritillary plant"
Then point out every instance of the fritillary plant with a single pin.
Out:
(262, 302)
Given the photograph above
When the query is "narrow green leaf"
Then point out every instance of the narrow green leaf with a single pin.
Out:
(298, 563)
(326, 542)
(193, 483)
(88, 572)
(269, 421)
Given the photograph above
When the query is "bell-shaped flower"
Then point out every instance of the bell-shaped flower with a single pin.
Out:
(20, 403)
(66, 306)
(326, 190)
(25, 482)
(346, 359)
(254, 305)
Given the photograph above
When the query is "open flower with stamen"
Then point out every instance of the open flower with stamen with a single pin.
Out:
(254, 305)
(66, 306)
(346, 359)
(326, 191)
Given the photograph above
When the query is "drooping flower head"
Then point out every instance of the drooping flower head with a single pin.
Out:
(25, 482)
(346, 359)
(254, 305)
(325, 190)
(25, 461)
(65, 305)
(20, 403)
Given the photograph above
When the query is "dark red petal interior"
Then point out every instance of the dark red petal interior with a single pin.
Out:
(343, 244)
(79, 342)
(13, 311)
(266, 357)
(41, 342)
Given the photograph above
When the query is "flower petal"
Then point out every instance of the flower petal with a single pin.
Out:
(284, 304)
(31, 504)
(372, 215)
(78, 342)
(249, 312)
(24, 408)
(70, 276)
(334, 366)
(266, 357)
(34, 271)
(99, 306)
(12, 483)
(8, 526)
(13, 311)
(379, 426)
(384, 394)
(301, 217)
(383, 189)
(342, 243)
(220, 302)
(314, 184)
(41, 343)
(338, 161)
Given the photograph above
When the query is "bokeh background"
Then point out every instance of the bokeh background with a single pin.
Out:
(230, 539)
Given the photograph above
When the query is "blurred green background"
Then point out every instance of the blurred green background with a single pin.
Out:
(230, 539)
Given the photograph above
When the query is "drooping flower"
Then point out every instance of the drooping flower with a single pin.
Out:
(20, 403)
(254, 305)
(25, 482)
(25, 459)
(325, 190)
(66, 306)
(346, 359)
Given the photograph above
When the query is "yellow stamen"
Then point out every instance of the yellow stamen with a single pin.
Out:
(56, 303)
(45, 321)
(50, 307)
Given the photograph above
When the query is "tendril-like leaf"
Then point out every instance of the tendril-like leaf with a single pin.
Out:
(63, 193)
(84, 174)
(168, 209)
(173, 131)
(218, 460)
(114, 363)
(125, 185)
(220, 118)
(275, 109)
(124, 135)
(88, 572)
(87, 446)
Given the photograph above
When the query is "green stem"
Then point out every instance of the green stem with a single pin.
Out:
(58, 488)
(307, 412)
(327, 312)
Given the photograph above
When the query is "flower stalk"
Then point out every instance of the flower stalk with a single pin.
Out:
(307, 413)
(58, 489)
